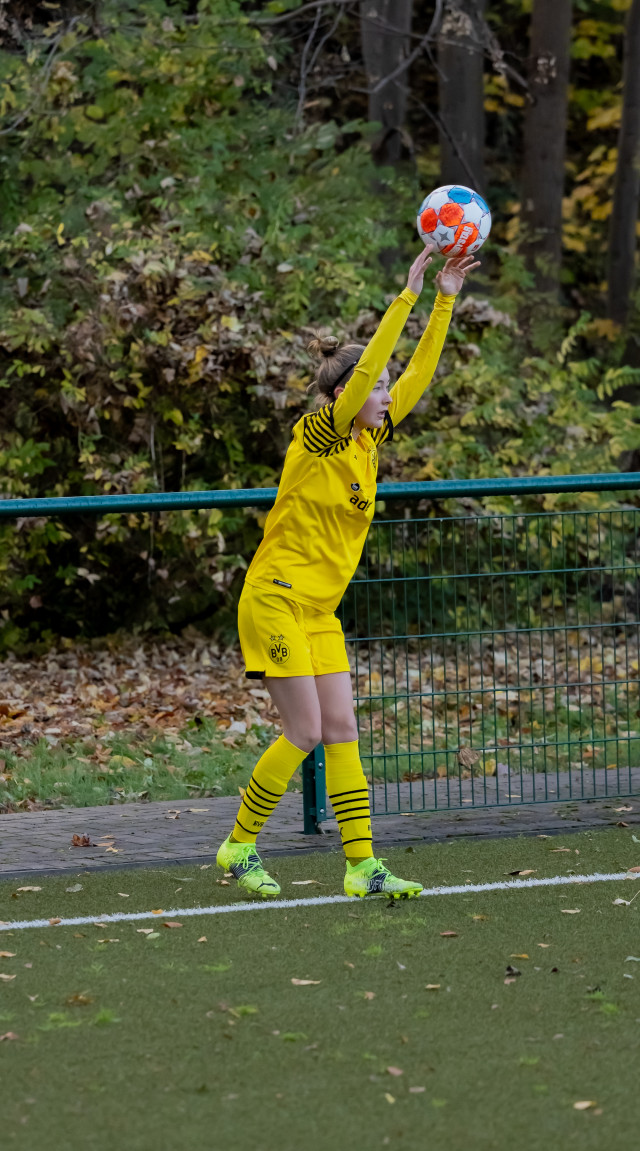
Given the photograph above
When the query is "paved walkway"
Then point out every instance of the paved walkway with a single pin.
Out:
(189, 831)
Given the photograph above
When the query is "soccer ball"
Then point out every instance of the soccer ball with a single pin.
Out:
(454, 218)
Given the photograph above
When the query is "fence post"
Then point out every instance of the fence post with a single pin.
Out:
(314, 797)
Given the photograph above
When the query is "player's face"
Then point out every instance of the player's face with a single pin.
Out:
(372, 412)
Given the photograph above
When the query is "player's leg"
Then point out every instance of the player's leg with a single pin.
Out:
(272, 642)
(348, 792)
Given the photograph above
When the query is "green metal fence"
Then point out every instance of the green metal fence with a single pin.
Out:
(495, 657)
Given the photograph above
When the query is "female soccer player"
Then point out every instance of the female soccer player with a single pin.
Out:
(312, 543)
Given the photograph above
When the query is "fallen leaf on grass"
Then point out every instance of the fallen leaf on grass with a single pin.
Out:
(306, 982)
(479, 917)
(448, 934)
(570, 911)
(622, 902)
(74, 887)
(29, 889)
(369, 994)
(80, 841)
(509, 979)
(202, 939)
(144, 930)
(467, 756)
(544, 945)
(81, 999)
(584, 1104)
(114, 850)
(205, 866)
(527, 871)
(6, 978)
(172, 924)
(629, 959)
(389, 1098)
(633, 870)
(395, 1071)
(54, 921)
(555, 850)
(523, 956)
(7, 954)
(124, 894)
(157, 911)
(416, 1090)
(432, 987)
(108, 941)
(304, 882)
(153, 935)
(223, 882)
(8, 1035)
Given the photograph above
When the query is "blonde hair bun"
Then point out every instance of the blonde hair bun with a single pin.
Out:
(323, 346)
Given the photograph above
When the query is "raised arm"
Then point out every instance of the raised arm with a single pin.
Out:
(379, 349)
(418, 375)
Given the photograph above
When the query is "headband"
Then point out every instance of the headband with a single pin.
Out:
(346, 371)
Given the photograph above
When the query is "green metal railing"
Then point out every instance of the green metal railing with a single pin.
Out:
(495, 657)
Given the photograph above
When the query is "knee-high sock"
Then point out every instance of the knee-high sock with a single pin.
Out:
(266, 786)
(349, 795)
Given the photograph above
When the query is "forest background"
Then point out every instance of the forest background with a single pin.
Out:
(188, 189)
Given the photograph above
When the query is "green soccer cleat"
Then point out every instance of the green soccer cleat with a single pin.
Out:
(371, 877)
(243, 861)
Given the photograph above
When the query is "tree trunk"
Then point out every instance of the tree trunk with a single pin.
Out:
(626, 195)
(461, 94)
(544, 140)
(384, 29)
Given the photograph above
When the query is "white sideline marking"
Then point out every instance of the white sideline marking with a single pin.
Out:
(317, 901)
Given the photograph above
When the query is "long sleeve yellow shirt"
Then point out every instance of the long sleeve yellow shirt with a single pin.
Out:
(315, 532)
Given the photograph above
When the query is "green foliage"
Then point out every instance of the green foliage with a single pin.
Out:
(169, 232)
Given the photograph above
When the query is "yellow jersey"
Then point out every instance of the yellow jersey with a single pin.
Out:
(315, 532)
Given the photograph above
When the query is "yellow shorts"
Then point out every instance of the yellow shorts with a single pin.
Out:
(282, 638)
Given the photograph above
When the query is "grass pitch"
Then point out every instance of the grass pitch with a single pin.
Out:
(141, 1036)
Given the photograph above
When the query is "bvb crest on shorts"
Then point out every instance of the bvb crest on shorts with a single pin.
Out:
(279, 651)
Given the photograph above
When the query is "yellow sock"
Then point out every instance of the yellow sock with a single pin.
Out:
(266, 787)
(349, 795)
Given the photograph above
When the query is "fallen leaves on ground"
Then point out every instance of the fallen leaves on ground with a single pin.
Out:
(394, 1071)
(527, 871)
(74, 887)
(8, 1035)
(144, 930)
(29, 889)
(7, 954)
(570, 911)
(306, 982)
(172, 923)
(80, 841)
(449, 934)
(432, 987)
(584, 1104)
(53, 922)
(369, 995)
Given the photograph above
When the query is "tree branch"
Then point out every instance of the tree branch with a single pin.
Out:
(430, 34)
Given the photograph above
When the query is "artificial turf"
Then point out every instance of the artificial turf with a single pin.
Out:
(166, 1041)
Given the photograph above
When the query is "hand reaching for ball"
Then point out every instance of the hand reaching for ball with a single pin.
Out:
(451, 278)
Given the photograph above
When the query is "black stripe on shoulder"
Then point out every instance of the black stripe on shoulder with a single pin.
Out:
(319, 434)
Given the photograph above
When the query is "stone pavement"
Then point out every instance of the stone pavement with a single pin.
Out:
(189, 831)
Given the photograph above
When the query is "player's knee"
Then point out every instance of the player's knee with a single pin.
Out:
(340, 731)
(306, 738)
